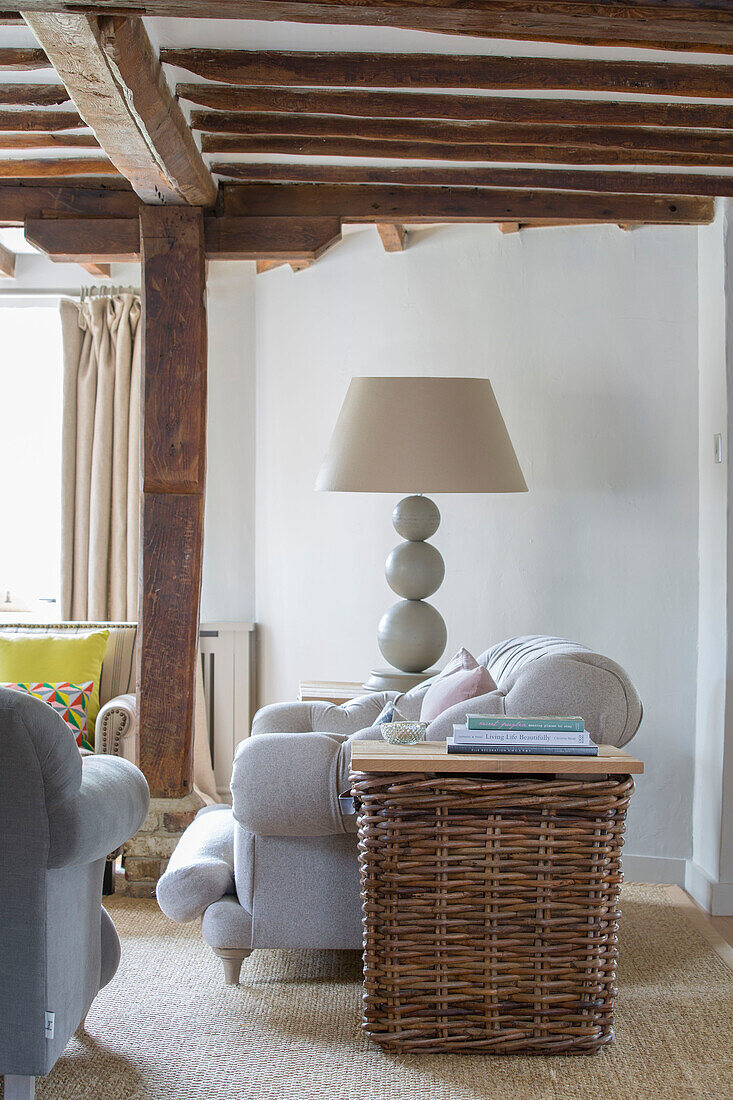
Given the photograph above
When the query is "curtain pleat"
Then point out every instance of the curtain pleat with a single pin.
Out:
(100, 457)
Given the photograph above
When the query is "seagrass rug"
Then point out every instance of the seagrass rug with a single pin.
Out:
(167, 1026)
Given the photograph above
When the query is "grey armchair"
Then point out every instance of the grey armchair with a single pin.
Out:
(279, 868)
(59, 817)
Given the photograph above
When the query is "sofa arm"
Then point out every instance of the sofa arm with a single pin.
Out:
(114, 729)
(110, 807)
(201, 869)
(321, 717)
(288, 784)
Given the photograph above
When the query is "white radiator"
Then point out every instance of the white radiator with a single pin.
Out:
(227, 659)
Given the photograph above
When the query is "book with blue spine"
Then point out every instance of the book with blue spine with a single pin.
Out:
(554, 723)
(518, 750)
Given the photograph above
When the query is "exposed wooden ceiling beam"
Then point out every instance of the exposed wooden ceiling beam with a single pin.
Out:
(393, 236)
(13, 59)
(110, 240)
(7, 263)
(47, 168)
(697, 142)
(117, 84)
(295, 265)
(43, 121)
(425, 204)
(90, 240)
(252, 238)
(688, 25)
(465, 108)
(33, 95)
(84, 199)
(63, 140)
(384, 70)
(559, 179)
(433, 150)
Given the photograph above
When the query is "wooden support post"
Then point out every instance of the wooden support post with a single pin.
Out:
(173, 471)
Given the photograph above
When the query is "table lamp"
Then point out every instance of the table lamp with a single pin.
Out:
(417, 435)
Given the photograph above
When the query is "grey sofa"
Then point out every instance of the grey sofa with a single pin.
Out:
(279, 868)
(59, 817)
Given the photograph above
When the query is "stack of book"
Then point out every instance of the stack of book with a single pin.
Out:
(497, 733)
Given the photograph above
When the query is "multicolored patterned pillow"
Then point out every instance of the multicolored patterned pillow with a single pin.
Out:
(71, 701)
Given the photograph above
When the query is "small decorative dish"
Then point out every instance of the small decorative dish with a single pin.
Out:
(404, 733)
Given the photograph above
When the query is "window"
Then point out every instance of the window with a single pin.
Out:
(30, 459)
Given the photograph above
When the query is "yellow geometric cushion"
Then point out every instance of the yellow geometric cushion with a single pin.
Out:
(54, 658)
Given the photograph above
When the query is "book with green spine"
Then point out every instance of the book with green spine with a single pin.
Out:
(555, 723)
(519, 750)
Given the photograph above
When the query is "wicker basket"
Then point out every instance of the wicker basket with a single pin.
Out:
(490, 910)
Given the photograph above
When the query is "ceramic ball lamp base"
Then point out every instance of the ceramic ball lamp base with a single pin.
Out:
(412, 634)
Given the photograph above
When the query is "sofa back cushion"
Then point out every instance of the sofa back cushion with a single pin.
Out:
(118, 666)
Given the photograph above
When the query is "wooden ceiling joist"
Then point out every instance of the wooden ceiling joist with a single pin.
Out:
(48, 168)
(33, 95)
(383, 70)
(642, 138)
(19, 201)
(117, 84)
(7, 263)
(670, 25)
(558, 179)
(44, 121)
(425, 204)
(462, 108)
(13, 59)
(393, 236)
(433, 150)
(90, 240)
(62, 140)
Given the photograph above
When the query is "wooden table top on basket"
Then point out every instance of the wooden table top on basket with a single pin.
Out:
(433, 756)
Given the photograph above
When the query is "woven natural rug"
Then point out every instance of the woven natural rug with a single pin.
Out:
(167, 1027)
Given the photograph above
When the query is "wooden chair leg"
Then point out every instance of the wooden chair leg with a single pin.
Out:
(19, 1088)
(232, 958)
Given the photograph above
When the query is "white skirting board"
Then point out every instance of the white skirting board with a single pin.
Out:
(227, 658)
(668, 871)
(715, 897)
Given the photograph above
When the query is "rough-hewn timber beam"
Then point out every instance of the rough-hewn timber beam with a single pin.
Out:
(7, 263)
(653, 25)
(13, 59)
(117, 84)
(603, 138)
(393, 236)
(44, 121)
(558, 179)
(173, 472)
(52, 169)
(432, 150)
(90, 240)
(288, 238)
(48, 141)
(19, 201)
(384, 70)
(464, 108)
(33, 95)
(110, 240)
(425, 204)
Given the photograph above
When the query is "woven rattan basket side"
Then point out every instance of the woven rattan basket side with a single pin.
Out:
(490, 910)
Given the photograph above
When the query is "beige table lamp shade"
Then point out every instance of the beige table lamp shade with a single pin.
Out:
(417, 435)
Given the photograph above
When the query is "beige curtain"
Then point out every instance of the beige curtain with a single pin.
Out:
(102, 340)
(100, 458)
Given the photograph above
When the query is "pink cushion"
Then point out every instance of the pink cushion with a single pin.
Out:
(461, 679)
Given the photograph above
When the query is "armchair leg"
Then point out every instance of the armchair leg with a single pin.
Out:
(232, 958)
(19, 1088)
